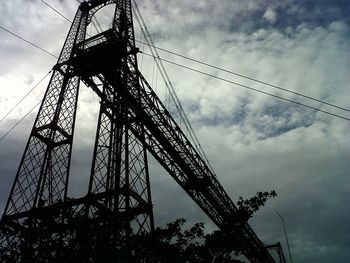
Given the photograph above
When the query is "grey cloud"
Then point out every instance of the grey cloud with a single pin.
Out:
(254, 142)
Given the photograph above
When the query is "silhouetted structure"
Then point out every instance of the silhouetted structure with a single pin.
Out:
(278, 248)
(132, 119)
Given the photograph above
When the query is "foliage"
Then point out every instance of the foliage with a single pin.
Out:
(106, 238)
(247, 207)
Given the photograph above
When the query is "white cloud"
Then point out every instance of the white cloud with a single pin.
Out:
(270, 14)
(254, 142)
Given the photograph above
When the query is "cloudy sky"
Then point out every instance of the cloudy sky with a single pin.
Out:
(254, 142)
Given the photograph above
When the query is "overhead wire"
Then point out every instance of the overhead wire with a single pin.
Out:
(169, 86)
(156, 86)
(98, 24)
(250, 88)
(56, 11)
(29, 42)
(175, 98)
(186, 67)
(26, 95)
(40, 48)
(18, 122)
(220, 68)
(43, 50)
(246, 77)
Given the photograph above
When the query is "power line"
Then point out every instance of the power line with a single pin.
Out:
(169, 85)
(247, 77)
(199, 62)
(29, 42)
(250, 88)
(201, 72)
(18, 122)
(8, 113)
(224, 70)
(164, 75)
(94, 21)
(55, 10)
(210, 75)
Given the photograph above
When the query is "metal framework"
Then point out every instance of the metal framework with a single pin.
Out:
(278, 250)
(131, 121)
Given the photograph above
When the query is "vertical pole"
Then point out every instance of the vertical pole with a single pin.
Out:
(285, 234)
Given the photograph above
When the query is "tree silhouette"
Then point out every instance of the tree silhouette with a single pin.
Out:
(78, 238)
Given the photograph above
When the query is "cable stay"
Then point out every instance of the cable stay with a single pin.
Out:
(18, 103)
(57, 12)
(169, 85)
(158, 60)
(197, 61)
(19, 121)
(26, 95)
(250, 88)
(246, 77)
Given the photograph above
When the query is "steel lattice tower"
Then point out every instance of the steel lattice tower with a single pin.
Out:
(131, 120)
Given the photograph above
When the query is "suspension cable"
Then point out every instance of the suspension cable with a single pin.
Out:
(251, 88)
(247, 77)
(169, 85)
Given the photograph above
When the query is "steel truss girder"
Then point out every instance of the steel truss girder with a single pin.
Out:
(131, 117)
(119, 159)
(42, 179)
(169, 145)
